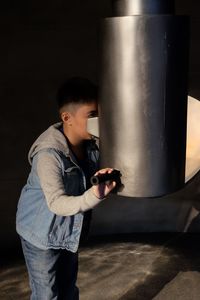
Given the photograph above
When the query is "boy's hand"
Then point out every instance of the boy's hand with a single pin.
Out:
(103, 189)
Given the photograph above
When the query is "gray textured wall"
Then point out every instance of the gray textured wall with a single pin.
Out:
(42, 43)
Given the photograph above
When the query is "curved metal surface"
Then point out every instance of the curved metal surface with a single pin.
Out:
(144, 102)
(139, 7)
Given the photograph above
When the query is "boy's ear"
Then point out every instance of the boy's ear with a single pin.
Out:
(65, 116)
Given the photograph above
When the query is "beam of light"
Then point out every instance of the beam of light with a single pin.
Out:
(193, 141)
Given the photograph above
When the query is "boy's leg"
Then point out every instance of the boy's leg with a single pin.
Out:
(41, 265)
(67, 276)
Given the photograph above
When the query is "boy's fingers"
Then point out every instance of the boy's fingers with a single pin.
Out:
(111, 185)
(110, 170)
(104, 171)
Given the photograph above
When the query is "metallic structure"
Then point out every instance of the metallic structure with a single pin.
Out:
(138, 7)
(143, 96)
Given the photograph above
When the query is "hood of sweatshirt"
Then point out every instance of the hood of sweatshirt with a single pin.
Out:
(51, 138)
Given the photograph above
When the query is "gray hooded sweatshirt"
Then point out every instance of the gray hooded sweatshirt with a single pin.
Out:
(49, 172)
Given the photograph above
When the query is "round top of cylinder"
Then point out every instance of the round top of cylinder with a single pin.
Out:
(142, 7)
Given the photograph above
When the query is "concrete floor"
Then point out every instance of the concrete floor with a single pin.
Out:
(127, 267)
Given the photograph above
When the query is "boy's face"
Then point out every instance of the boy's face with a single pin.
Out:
(77, 119)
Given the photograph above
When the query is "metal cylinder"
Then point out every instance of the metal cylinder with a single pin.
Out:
(143, 94)
(141, 7)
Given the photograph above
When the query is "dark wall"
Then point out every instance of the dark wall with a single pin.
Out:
(42, 43)
(192, 8)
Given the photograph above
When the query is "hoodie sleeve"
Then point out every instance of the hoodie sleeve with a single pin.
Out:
(49, 172)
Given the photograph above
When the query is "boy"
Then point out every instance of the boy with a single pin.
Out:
(58, 192)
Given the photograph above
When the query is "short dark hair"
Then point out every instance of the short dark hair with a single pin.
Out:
(76, 90)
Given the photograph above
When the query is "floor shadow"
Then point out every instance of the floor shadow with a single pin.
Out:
(180, 253)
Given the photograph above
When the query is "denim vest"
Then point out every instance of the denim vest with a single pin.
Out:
(36, 223)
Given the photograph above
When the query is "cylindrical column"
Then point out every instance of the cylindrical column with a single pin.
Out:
(143, 94)
(141, 7)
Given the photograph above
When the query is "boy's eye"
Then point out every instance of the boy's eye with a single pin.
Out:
(92, 114)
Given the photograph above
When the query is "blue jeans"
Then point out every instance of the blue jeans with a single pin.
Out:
(52, 273)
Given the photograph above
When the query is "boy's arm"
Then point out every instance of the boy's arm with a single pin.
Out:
(50, 176)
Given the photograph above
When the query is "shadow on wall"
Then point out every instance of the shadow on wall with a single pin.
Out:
(192, 9)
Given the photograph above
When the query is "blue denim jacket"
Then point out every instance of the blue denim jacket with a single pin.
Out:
(35, 222)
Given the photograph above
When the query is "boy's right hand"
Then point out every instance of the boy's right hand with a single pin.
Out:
(103, 189)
